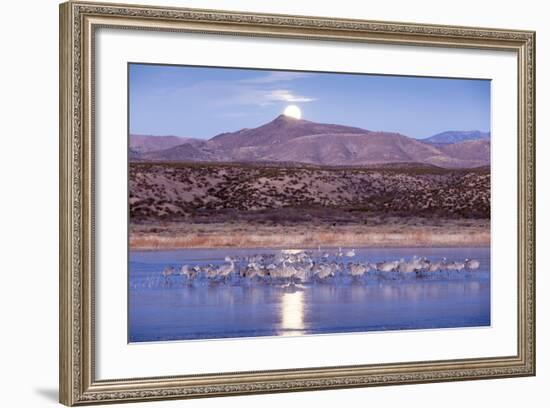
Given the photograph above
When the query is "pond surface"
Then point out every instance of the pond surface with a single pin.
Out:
(162, 309)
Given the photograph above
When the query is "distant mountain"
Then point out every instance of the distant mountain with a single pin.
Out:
(278, 131)
(367, 149)
(182, 152)
(457, 136)
(288, 140)
(474, 150)
(148, 143)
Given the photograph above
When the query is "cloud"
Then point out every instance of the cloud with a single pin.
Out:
(287, 96)
(262, 97)
(268, 89)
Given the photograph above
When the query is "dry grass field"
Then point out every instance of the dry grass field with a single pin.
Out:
(190, 205)
(400, 234)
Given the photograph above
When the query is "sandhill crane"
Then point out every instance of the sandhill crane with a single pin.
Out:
(210, 271)
(225, 270)
(188, 272)
(407, 267)
(387, 266)
(168, 271)
(322, 271)
(252, 270)
(247, 272)
(275, 271)
(471, 264)
(434, 267)
(455, 266)
(300, 274)
(288, 271)
(357, 269)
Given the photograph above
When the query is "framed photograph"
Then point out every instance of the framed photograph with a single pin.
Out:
(256, 203)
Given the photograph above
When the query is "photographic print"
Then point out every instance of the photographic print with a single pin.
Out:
(322, 203)
(286, 203)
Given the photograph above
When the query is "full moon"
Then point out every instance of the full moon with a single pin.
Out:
(293, 111)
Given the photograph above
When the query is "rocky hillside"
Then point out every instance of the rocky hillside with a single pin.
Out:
(224, 192)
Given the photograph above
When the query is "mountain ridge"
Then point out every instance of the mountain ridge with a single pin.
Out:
(286, 139)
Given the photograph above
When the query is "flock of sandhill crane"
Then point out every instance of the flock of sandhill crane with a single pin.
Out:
(298, 266)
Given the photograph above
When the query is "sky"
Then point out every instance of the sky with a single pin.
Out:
(202, 102)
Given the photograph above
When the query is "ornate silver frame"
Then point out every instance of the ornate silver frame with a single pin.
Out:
(78, 22)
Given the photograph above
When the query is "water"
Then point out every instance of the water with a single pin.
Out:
(163, 309)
